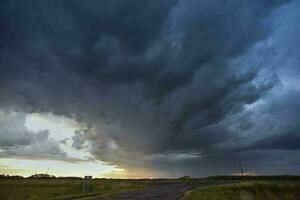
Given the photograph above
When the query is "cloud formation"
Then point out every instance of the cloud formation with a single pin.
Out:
(156, 82)
(17, 141)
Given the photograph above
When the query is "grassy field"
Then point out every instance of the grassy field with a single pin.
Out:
(247, 191)
(61, 189)
(254, 178)
(72, 188)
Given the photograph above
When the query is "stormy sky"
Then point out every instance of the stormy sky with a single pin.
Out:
(152, 88)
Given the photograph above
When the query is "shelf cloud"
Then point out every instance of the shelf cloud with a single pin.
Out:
(174, 87)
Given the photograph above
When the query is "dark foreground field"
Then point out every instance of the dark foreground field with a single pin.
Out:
(247, 191)
(27, 189)
(215, 188)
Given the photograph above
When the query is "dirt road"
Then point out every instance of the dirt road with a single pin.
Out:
(161, 192)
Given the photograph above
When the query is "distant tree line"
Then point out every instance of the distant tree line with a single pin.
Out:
(3, 176)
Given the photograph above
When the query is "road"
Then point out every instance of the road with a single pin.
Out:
(161, 192)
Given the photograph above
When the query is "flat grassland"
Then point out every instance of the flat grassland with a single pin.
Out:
(57, 189)
(247, 191)
(211, 188)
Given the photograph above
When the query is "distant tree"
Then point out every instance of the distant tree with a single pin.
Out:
(185, 178)
(41, 176)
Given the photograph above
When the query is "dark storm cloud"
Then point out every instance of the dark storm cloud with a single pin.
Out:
(280, 130)
(285, 141)
(78, 139)
(154, 81)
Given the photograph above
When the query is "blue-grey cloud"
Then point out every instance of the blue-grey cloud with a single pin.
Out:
(156, 82)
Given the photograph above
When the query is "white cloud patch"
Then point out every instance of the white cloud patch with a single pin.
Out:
(66, 132)
(32, 142)
(17, 140)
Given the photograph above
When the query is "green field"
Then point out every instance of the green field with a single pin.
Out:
(247, 191)
(62, 189)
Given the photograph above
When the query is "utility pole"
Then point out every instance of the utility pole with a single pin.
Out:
(241, 168)
(47, 170)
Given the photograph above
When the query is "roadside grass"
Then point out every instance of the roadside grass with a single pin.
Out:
(247, 191)
(61, 189)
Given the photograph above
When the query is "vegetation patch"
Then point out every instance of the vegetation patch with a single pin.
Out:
(247, 191)
(61, 189)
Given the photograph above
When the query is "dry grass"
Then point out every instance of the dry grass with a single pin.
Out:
(247, 191)
(60, 189)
